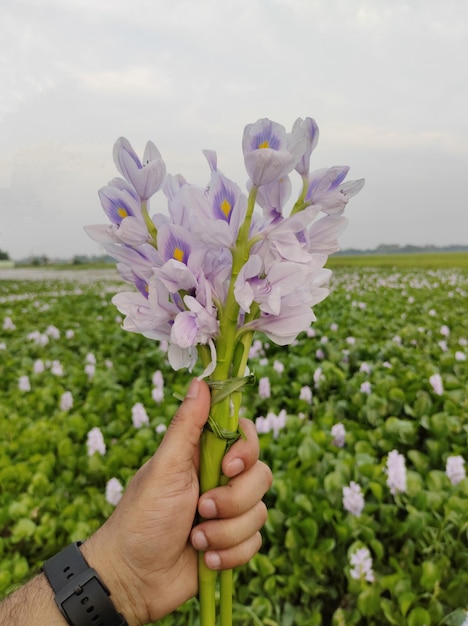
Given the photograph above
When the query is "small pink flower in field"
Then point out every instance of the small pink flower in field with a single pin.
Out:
(256, 349)
(387, 364)
(90, 358)
(445, 330)
(437, 384)
(396, 472)
(157, 394)
(69, 334)
(158, 379)
(139, 415)
(350, 341)
(324, 340)
(334, 327)
(263, 362)
(108, 363)
(271, 423)
(361, 562)
(118, 319)
(53, 331)
(318, 376)
(38, 367)
(397, 339)
(264, 388)
(463, 342)
(90, 370)
(364, 368)
(8, 324)
(56, 368)
(366, 387)
(411, 300)
(66, 401)
(24, 383)
(278, 367)
(161, 428)
(460, 356)
(455, 469)
(432, 312)
(353, 499)
(319, 354)
(114, 491)
(306, 394)
(38, 338)
(2, 345)
(95, 442)
(310, 332)
(338, 432)
(443, 346)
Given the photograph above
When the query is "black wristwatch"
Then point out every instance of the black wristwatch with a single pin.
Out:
(81, 596)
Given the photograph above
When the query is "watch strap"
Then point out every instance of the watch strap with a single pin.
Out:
(81, 596)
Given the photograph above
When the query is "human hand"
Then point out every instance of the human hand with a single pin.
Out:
(146, 552)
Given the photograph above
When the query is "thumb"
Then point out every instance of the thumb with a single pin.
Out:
(183, 434)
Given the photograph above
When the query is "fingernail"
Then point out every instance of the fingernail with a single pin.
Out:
(213, 560)
(234, 467)
(192, 391)
(199, 540)
(207, 508)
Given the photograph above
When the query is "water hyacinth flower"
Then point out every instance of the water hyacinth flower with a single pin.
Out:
(278, 366)
(24, 383)
(460, 356)
(264, 388)
(353, 499)
(455, 469)
(38, 366)
(361, 562)
(223, 263)
(114, 491)
(8, 324)
(66, 401)
(396, 472)
(306, 394)
(95, 442)
(139, 415)
(437, 384)
(365, 387)
(338, 432)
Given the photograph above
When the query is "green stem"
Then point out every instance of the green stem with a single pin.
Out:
(226, 598)
(300, 204)
(206, 593)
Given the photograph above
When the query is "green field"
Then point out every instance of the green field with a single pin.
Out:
(423, 260)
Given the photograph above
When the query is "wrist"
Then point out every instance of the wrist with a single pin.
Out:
(123, 586)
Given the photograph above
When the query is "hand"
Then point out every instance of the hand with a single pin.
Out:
(146, 552)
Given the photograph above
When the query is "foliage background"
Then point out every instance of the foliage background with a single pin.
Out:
(52, 493)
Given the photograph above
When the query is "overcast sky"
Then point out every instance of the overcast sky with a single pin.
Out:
(386, 81)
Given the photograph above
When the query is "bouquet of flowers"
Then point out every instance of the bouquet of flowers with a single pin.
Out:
(212, 271)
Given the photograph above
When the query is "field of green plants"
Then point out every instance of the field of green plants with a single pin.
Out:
(364, 423)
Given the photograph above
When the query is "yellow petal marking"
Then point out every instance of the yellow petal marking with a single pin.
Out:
(264, 144)
(178, 254)
(122, 212)
(226, 207)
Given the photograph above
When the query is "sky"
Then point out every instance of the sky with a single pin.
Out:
(385, 80)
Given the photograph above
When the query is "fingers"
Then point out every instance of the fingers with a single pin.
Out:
(244, 453)
(185, 429)
(239, 495)
(230, 542)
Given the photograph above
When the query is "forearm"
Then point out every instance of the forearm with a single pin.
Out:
(31, 604)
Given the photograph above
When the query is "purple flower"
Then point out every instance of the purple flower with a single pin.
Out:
(437, 384)
(338, 432)
(309, 130)
(361, 562)
(8, 324)
(366, 387)
(95, 442)
(396, 472)
(455, 469)
(306, 394)
(327, 190)
(139, 415)
(114, 491)
(353, 499)
(269, 153)
(24, 383)
(66, 401)
(147, 176)
(264, 389)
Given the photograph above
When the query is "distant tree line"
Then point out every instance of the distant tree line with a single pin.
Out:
(391, 248)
